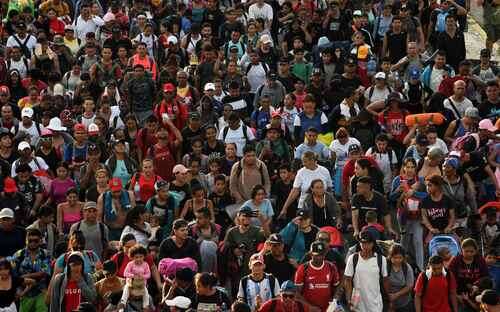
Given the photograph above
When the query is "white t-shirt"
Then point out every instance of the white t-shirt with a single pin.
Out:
(238, 137)
(436, 78)
(262, 288)
(30, 44)
(265, 12)
(342, 151)
(367, 282)
(377, 94)
(384, 163)
(39, 164)
(460, 106)
(148, 40)
(256, 76)
(32, 131)
(20, 66)
(82, 27)
(439, 143)
(304, 178)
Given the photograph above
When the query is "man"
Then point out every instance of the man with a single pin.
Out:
(490, 106)
(86, 22)
(452, 42)
(180, 244)
(25, 157)
(379, 90)
(367, 199)
(13, 237)
(372, 282)
(435, 72)
(311, 144)
(260, 9)
(18, 61)
(30, 186)
(318, 279)
(105, 70)
(413, 59)
(21, 39)
(458, 103)
(192, 131)
(15, 200)
(7, 119)
(95, 232)
(213, 15)
(286, 302)
(33, 264)
(164, 151)
(256, 71)
(276, 260)
(27, 128)
(236, 132)
(349, 78)
(438, 17)
(272, 88)
(247, 173)
(299, 235)
(140, 93)
(258, 286)
(149, 39)
(394, 44)
(44, 223)
(485, 70)
(436, 289)
(141, 57)
(172, 105)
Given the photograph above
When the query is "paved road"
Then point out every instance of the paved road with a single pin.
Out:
(475, 37)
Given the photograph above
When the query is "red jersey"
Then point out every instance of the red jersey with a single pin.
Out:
(279, 306)
(318, 284)
(145, 188)
(348, 170)
(176, 111)
(144, 139)
(394, 123)
(435, 298)
(163, 160)
(72, 296)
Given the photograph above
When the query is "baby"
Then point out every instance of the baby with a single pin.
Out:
(136, 273)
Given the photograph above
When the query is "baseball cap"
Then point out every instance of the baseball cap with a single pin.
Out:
(435, 152)
(350, 61)
(414, 73)
(354, 148)
(394, 96)
(316, 71)
(90, 34)
(421, 139)
(452, 162)
(93, 129)
(366, 237)
(93, 149)
(90, 205)
(487, 124)
(9, 185)
(471, 112)
(485, 53)
(115, 184)
(380, 75)
(75, 256)
(172, 39)
(6, 213)
(303, 213)
(357, 13)
(272, 75)
(168, 87)
(180, 169)
(194, 115)
(79, 127)
(275, 239)
(23, 145)
(265, 39)
(246, 211)
(4, 89)
(209, 86)
(318, 248)
(21, 25)
(256, 258)
(180, 302)
(27, 112)
(288, 287)
(489, 297)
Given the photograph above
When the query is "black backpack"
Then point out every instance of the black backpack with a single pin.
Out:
(104, 242)
(355, 260)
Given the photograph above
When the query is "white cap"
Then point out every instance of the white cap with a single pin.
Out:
(380, 75)
(357, 13)
(27, 112)
(93, 128)
(58, 89)
(23, 145)
(266, 39)
(180, 302)
(209, 86)
(55, 124)
(108, 17)
(172, 39)
(8, 213)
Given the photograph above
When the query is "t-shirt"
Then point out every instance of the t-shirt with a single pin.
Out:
(125, 260)
(397, 281)
(377, 203)
(385, 163)
(283, 270)
(92, 233)
(367, 281)
(439, 289)
(460, 106)
(318, 282)
(467, 274)
(280, 307)
(211, 303)
(121, 171)
(438, 212)
(394, 123)
(304, 178)
(342, 150)
(261, 288)
(72, 296)
(238, 137)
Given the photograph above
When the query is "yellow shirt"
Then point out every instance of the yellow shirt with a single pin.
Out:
(62, 9)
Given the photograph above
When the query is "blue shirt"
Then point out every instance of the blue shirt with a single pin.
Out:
(319, 149)
(265, 209)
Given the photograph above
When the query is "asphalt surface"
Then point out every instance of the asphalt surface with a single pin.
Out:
(475, 37)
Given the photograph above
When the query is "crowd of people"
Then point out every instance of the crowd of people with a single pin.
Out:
(259, 155)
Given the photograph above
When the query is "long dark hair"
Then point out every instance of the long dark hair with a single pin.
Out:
(132, 216)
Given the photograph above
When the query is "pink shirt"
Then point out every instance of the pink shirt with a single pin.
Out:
(134, 270)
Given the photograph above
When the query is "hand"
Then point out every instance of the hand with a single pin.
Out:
(355, 234)
(237, 252)
(393, 233)
(282, 214)
(392, 297)
(434, 231)
(448, 230)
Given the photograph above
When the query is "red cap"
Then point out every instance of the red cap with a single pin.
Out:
(115, 184)
(168, 87)
(9, 185)
(79, 127)
(275, 114)
(4, 89)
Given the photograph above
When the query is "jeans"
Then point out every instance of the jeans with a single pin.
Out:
(413, 240)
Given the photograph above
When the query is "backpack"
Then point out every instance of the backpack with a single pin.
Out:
(37, 126)
(264, 65)
(355, 260)
(244, 286)
(25, 61)
(372, 90)
(242, 45)
(23, 46)
(107, 75)
(239, 169)
(104, 242)
(425, 282)
(306, 266)
(441, 20)
(226, 130)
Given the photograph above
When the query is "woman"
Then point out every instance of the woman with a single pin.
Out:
(467, 268)
(401, 279)
(143, 182)
(7, 151)
(211, 144)
(60, 185)
(438, 210)
(340, 151)
(69, 212)
(120, 164)
(198, 202)
(9, 287)
(164, 206)
(322, 205)
(303, 179)
(47, 151)
(207, 235)
(99, 187)
(135, 225)
(364, 168)
(229, 158)
(260, 204)
(406, 193)
(251, 37)
(461, 188)
(131, 131)
(197, 152)
(208, 295)
(16, 89)
(70, 288)
(76, 243)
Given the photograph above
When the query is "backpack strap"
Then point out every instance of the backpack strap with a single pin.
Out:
(244, 285)
(454, 108)
(272, 282)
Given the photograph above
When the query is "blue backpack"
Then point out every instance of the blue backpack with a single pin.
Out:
(441, 20)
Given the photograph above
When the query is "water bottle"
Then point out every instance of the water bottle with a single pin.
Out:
(223, 307)
(371, 67)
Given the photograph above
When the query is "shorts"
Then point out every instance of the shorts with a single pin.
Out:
(492, 31)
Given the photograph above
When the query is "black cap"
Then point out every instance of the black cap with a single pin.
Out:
(394, 96)
(21, 25)
(109, 267)
(185, 274)
(85, 307)
(366, 237)
(316, 71)
(122, 141)
(490, 211)
(116, 29)
(489, 297)
(246, 211)
(275, 239)
(283, 59)
(93, 148)
(90, 34)
(485, 53)
(318, 247)
(194, 115)
(421, 139)
(303, 213)
(272, 75)
(350, 61)
(354, 148)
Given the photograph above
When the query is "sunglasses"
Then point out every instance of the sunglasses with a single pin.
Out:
(288, 296)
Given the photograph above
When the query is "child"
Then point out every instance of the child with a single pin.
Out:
(280, 191)
(154, 221)
(491, 258)
(137, 274)
(289, 111)
(88, 115)
(214, 171)
(376, 230)
(300, 67)
(221, 198)
(444, 253)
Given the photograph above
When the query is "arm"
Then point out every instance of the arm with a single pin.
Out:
(185, 209)
(88, 290)
(398, 65)
(100, 207)
(355, 221)
(449, 135)
(59, 218)
(426, 222)
(294, 194)
(385, 51)
(375, 107)
(460, 10)
(348, 289)
(418, 303)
